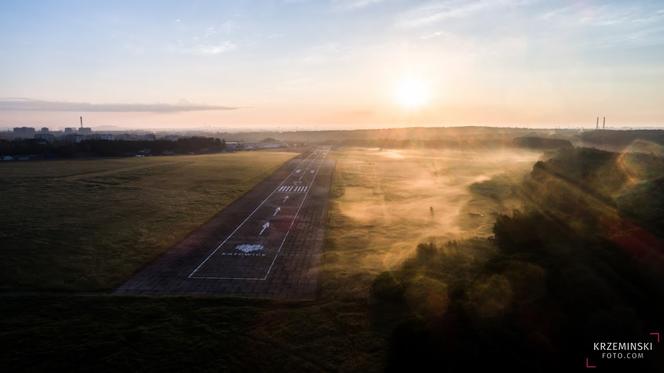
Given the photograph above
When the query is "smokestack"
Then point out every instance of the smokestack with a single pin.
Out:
(81, 119)
(597, 124)
(603, 122)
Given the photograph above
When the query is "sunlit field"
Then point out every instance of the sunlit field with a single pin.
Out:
(382, 298)
(89, 224)
(385, 202)
(331, 186)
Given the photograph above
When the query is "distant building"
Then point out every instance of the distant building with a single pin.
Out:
(46, 136)
(24, 132)
(44, 130)
(83, 130)
(103, 136)
(136, 136)
(70, 131)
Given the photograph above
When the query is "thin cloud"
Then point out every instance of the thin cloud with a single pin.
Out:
(24, 104)
(433, 35)
(204, 49)
(435, 12)
(604, 15)
(355, 4)
(615, 25)
(212, 49)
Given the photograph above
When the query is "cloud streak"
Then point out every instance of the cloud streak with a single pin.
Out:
(435, 12)
(355, 4)
(24, 104)
(212, 49)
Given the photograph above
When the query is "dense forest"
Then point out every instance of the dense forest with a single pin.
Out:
(109, 148)
(581, 263)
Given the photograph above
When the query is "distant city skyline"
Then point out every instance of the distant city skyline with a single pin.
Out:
(337, 64)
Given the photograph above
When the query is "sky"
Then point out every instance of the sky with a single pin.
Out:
(298, 64)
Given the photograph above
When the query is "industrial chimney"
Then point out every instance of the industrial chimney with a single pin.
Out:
(81, 120)
(603, 122)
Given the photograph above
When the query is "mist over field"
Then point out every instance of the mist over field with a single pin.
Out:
(438, 245)
(383, 200)
(331, 186)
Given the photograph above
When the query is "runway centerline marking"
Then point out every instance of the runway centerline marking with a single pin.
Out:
(265, 226)
(320, 157)
(309, 158)
(320, 163)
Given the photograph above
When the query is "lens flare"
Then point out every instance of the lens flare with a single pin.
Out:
(412, 93)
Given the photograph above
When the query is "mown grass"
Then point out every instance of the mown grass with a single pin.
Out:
(379, 210)
(169, 334)
(89, 224)
(381, 203)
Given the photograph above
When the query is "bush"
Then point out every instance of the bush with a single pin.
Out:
(386, 287)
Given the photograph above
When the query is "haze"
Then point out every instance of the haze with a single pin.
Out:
(331, 64)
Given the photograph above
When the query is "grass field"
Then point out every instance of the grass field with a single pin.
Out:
(176, 334)
(379, 212)
(382, 200)
(88, 224)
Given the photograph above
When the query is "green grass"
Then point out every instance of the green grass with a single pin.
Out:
(110, 334)
(380, 207)
(86, 225)
(378, 213)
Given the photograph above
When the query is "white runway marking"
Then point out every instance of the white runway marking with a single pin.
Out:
(294, 218)
(265, 226)
(293, 221)
(276, 211)
(238, 254)
(249, 248)
(243, 222)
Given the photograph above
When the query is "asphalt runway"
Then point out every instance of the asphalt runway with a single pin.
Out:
(266, 244)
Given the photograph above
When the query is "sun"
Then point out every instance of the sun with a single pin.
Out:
(412, 93)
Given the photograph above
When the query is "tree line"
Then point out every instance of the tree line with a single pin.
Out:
(109, 148)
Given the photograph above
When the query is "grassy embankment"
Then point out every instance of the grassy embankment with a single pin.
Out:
(581, 262)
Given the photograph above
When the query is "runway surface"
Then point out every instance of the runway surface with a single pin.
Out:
(266, 244)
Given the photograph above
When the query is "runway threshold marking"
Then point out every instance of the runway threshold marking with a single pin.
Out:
(293, 188)
(309, 157)
(320, 163)
(276, 255)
